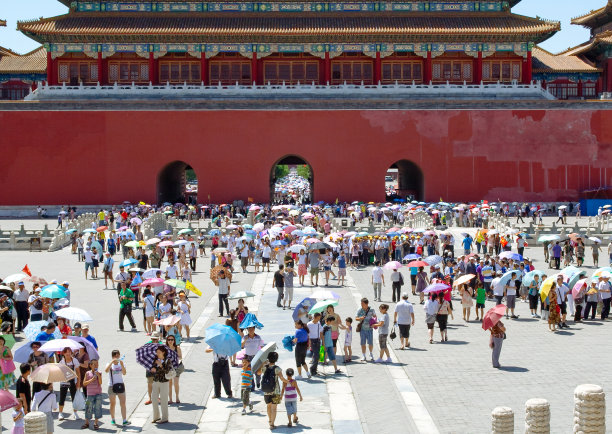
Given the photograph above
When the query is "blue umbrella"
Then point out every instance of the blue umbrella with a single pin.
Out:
(575, 278)
(511, 255)
(279, 243)
(70, 231)
(164, 233)
(53, 291)
(214, 232)
(433, 259)
(89, 231)
(508, 275)
(128, 262)
(307, 303)
(529, 277)
(223, 340)
(33, 329)
(411, 257)
(250, 320)
(22, 353)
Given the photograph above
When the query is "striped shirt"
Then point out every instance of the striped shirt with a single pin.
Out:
(247, 378)
(290, 392)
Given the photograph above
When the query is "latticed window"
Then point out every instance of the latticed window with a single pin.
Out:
(75, 73)
(351, 72)
(401, 71)
(179, 72)
(127, 72)
(291, 72)
(230, 72)
(452, 70)
(501, 70)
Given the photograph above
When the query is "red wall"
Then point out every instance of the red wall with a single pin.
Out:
(82, 157)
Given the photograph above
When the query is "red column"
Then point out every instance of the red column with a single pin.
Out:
(50, 65)
(609, 76)
(377, 69)
(327, 63)
(579, 88)
(100, 69)
(152, 71)
(428, 76)
(204, 69)
(254, 69)
(478, 68)
(527, 72)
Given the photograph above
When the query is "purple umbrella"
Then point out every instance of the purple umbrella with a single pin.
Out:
(436, 287)
(136, 221)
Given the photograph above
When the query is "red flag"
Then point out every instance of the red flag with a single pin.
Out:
(26, 270)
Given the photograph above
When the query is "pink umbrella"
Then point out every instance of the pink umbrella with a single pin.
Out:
(153, 241)
(392, 265)
(579, 286)
(122, 228)
(289, 229)
(168, 321)
(436, 287)
(7, 400)
(312, 240)
(153, 282)
(166, 244)
(136, 221)
(493, 316)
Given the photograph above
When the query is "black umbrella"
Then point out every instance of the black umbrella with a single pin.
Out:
(319, 246)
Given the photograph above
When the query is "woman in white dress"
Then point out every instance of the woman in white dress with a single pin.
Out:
(183, 308)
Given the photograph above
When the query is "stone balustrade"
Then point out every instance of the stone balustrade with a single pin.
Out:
(61, 240)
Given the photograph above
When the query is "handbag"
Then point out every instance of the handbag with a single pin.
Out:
(7, 366)
(171, 374)
(180, 369)
(358, 329)
(118, 388)
(393, 335)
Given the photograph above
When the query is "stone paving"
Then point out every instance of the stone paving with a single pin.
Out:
(450, 387)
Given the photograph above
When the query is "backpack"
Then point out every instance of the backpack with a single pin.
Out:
(268, 381)
(38, 304)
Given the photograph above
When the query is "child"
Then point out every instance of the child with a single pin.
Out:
(18, 415)
(383, 333)
(93, 406)
(257, 259)
(348, 339)
(481, 295)
(341, 268)
(245, 385)
(291, 392)
(329, 343)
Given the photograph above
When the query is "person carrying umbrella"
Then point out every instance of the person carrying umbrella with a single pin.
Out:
(491, 322)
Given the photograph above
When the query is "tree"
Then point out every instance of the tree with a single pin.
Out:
(280, 171)
(304, 171)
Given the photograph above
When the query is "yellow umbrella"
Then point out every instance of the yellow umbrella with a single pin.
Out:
(547, 285)
(190, 286)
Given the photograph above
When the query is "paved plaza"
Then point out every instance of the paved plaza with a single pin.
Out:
(445, 387)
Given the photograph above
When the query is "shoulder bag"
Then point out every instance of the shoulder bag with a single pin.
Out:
(118, 388)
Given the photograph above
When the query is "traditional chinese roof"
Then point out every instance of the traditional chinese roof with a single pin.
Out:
(544, 61)
(100, 27)
(33, 62)
(595, 18)
(604, 38)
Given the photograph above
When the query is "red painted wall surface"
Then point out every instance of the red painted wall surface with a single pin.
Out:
(94, 157)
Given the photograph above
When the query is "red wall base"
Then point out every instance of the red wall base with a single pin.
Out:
(83, 157)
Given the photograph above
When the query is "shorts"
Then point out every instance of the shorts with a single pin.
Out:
(331, 354)
(265, 260)
(269, 399)
(341, 272)
(511, 301)
(498, 299)
(244, 261)
(563, 307)
(480, 305)
(314, 271)
(404, 330)
(326, 268)
(288, 293)
(487, 287)
(382, 341)
(111, 393)
(442, 320)
(366, 336)
(245, 395)
(291, 407)
(88, 265)
(95, 263)
(430, 325)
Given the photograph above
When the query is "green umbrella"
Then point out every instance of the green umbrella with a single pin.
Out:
(185, 231)
(247, 226)
(168, 212)
(133, 244)
(322, 305)
(175, 283)
(241, 294)
(9, 340)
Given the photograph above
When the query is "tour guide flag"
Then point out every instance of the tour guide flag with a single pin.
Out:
(26, 270)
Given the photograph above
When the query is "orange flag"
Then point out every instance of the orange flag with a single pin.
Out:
(26, 270)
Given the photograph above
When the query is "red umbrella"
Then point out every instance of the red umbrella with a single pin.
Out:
(7, 400)
(101, 228)
(493, 316)
(417, 264)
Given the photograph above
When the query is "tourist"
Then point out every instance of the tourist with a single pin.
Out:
(499, 289)
(174, 346)
(35, 359)
(397, 280)
(421, 283)
(83, 359)
(592, 298)
(89, 257)
(148, 302)
(378, 280)
(36, 304)
(126, 297)
(20, 298)
(45, 402)
(404, 318)
(534, 295)
(251, 343)
(604, 290)
(288, 281)
(246, 378)
(466, 301)
(431, 308)
(348, 340)
(498, 334)
(7, 377)
(221, 375)
(302, 266)
(365, 316)
(444, 311)
(328, 343)
(278, 282)
(224, 290)
(556, 254)
(301, 347)
(553, 309)
(383, 333)
(596, 249)
(116, 386)
(18, 415)
(23, 391)
(93, 405)
(71, 385)
(107, 269)
(510, 293)
(271, 387)
(266, 252)
(313, 263)
(315, 334)
(159, 395)
(183, 308)
(291, 390)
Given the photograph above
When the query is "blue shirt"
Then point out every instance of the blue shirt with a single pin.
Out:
(467, 243)
(341, 261)
(327, 337)
(91, 339)
(44, 337)
(301, 335)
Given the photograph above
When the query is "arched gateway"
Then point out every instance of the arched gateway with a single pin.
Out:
(291, 180)
(404, 180)
(177, 182)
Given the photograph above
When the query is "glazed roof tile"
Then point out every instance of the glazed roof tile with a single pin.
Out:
(34, 61)
(224, 27)
(602, 38)
(544, 61)
(593, 18)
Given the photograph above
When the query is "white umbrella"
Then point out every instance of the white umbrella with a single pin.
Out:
(89, 347)
(324, 294)
(562, 207)
(136, 269)
(14, 278)
(150, 273)
(73, 314)
(262, 355)
(296, 248)
(181, 242)
(59, 345)
(595, 239)
(153, 241)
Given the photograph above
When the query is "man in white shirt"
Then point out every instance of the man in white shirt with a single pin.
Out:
(224, 290)
(404, 318)
(171, 270)
(603, 287)
(511, 293)
(21, 296)
(562, 290)
(498, 289)
(378, 280)
(315, 334)
(122, 276)
(36, 305)
(89, 261)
